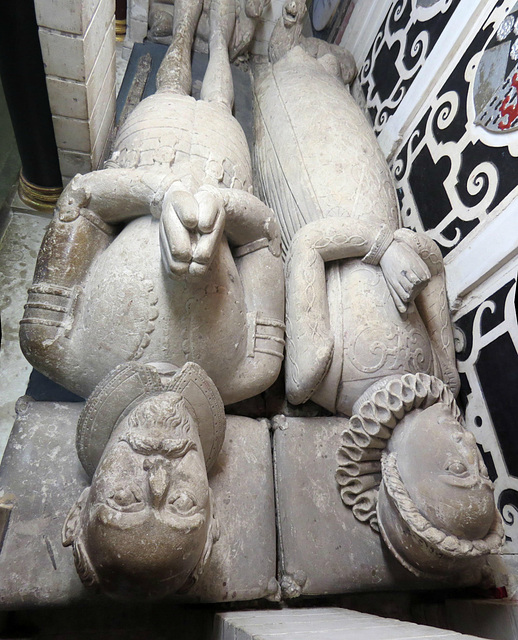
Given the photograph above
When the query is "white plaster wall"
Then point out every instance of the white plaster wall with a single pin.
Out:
(366, 18)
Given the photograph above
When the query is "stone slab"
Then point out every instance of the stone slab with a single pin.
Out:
(72, 134)
(63, 54)
(63, 15)
(67, 97)
(72, 162)
(137, 30)
(323, 549)
(329, 623)
(19, 249)
(138, 9)
(40, 477)
(243, 110)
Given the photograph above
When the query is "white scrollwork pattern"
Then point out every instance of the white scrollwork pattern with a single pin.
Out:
(403, 43)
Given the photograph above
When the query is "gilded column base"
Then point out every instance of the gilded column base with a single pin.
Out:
(40, 198)
(120, 30)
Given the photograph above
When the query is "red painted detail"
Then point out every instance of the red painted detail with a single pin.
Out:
(510, 111)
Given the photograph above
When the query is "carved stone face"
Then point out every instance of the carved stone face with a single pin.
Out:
(293, 12)
(146, 519)
(443, 472)
(255, 8)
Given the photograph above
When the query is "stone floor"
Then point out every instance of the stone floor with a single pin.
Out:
(21, 231)
(18, 250)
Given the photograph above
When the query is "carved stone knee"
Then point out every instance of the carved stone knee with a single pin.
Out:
(67, 252)
(47, 322)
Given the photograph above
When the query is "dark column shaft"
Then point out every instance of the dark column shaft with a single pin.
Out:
(120, 19)
(120, 9)
(23, 80)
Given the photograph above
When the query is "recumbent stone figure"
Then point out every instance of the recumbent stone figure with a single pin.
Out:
(96, 302)
(245, 15)
(368, 329)
(165, 315)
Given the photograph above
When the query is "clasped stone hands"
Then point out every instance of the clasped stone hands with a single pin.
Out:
(191, 226)
(405, 272)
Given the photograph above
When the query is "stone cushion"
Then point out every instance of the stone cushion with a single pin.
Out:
(40, 477)
(323, 548)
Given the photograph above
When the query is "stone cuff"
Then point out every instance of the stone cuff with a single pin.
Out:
(380, 245)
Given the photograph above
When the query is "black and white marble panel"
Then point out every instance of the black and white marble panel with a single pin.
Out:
(487, 337)
(457, 164)
(404, 41)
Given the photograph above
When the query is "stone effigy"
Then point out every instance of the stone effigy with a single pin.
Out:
(176, 314)
(146, 524)
(368, 329)
(158, 295)
(245, 15)
(200, 279)
(41, 477)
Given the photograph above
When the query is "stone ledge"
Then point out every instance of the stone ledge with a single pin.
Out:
(322, 624)
(41, 477)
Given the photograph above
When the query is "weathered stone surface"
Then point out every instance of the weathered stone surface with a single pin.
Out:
(245, 15)
(368, 332)
(198, 277)
(327, 623)
(159, 323)
(323, 548)
(320, 167)
(41, 477)
(194, 280)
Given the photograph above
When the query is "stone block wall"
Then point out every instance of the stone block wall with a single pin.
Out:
(136, 24)
(78, 45)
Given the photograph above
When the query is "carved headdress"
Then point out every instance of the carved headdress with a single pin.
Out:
(156, 395)
(127, 385)
(370, 483)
